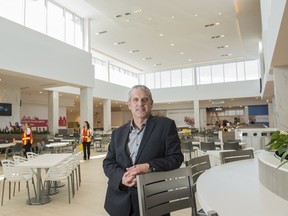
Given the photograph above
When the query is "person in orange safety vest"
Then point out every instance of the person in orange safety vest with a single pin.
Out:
(27, 138)
(86, 140)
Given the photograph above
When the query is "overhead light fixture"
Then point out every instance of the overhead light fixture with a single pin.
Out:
(172, 44)
(127, 20)
(173, 17)
(158, 64)
(219, 13)
(137, 11)
(133, 51)
(102, 32)
(148, 58)
(189, 60)
(40, 92)
(196, 15)
(181, 53)
(0, 80)
(161, 35)
(222, 47)
(149, 18)
(118, 43)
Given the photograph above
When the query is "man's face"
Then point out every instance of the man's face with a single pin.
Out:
(140, 104)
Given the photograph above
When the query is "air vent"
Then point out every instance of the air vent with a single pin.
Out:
(118, 16)
(158, 64)
(127, 14)
(134, 51)
(209, 25)
(118, 43)
(217, 36)
(102, 32)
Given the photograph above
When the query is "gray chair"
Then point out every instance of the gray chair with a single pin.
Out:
(205, 146)
(230, 156)
(231, 145)
(104, 142)
(160, 193)
(198, 165)
(187, 148)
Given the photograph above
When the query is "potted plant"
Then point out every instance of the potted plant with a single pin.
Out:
(279, 145)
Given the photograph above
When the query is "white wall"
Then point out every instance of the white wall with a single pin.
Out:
(10, 95)
(32, 53)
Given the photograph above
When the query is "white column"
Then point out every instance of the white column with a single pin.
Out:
(246, 115)
(281, 102)
(53, 111)
(107, 114)
(86, 106)
(197, 114)
(86, 35)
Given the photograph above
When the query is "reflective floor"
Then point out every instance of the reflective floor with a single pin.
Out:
(88, 199)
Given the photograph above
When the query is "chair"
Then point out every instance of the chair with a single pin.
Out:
(59, 173)
(187, 148)
(164, 192)
(205, 146)
(198, 165)
(15, 174)
(31, 155)
(226, 157)
(232, 145)
(104, 142)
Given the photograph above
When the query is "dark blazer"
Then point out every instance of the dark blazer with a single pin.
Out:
(160, 147)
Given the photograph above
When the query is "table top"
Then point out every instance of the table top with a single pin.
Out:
(45, 161)
(57, 144)
(234, 189)
(6, 145)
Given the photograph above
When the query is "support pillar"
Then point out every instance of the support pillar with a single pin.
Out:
(53, 111)
(107, 115)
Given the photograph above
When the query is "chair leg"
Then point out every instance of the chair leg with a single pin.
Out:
(72, 183)
(19, 186)
(76, 176)
(14, 187)
(9, 190)
(28, 192)
(69, 198)
(3, 191)
(79, 174)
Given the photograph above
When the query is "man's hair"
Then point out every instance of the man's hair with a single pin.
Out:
(141, 87)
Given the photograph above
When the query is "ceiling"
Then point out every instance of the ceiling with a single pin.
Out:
(160, 35)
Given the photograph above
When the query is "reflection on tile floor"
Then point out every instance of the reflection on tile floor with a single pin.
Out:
(88, 200)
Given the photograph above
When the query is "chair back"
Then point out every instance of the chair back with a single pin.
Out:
(18, 149)
(160, 193)
(231, 145)
(31, 155)
(231, 156)
(205, 146)
(18, 159)
(15, 173)
(198, 165)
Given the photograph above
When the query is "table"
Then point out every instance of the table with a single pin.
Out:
(44, 161)
(6, 146)
(234, 189)
(57, 145)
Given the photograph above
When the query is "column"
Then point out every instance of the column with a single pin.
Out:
(86, 106)
(271, 111)
(53, 111)
(86, 35)
(196, 114)
(107, 114)
(281, 102)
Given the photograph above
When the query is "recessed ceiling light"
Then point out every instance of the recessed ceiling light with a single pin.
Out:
(40, 92)
(221, 35)
(181, 53)
(161, 35)
(219, 13)
(0, 80)
(172, 44)
(149, 18)
(118, 43)
(189, 60)
(196, 15)
(127, 20)
(217, 23)
(173, 17)
(102, 32)
(133, 51)
(148, 58)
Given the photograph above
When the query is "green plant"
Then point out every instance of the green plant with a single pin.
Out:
(279, 143)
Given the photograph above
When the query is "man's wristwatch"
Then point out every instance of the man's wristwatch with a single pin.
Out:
(150, 169)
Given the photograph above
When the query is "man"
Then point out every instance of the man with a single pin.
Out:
(146, 144)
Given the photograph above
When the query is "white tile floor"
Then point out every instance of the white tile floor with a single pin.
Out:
(89, 199)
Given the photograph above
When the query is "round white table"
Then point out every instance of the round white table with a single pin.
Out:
(234, 189)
